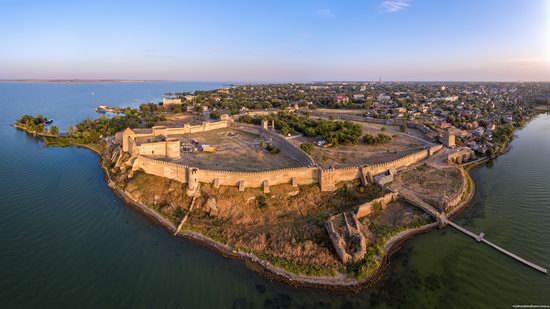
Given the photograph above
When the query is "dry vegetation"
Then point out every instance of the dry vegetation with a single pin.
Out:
(235, 151)
(164, 195)
(285, 226)
(361, 153)
(427, 181)
(394, 215)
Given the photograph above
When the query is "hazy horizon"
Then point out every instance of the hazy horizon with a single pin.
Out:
(282, 41)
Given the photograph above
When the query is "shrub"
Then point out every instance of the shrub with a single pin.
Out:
(262, 201)
(307, 147)
(376, 140)
(215, 115)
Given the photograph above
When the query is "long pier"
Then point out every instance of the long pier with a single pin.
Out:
(480, 238)
(442, 219)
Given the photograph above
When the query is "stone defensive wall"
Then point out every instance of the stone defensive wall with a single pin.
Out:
(326, 178)
(295, 176)
(204, 127)
(170, 148)
(456, 199)
(368, 207)
(161, 168)
(407, 160)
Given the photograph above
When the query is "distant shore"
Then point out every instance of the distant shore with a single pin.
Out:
(81, 81)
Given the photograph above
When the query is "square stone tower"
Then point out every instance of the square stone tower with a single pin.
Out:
(448, 139)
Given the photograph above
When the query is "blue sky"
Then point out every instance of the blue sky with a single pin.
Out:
(276, 40)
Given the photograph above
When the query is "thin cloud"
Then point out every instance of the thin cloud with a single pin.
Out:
(153, 53)
(392, 6)
(529, 62)
(325, 13)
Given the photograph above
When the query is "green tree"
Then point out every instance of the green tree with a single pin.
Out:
(54, 130)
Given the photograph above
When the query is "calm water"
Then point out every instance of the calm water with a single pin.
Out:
(67, 241)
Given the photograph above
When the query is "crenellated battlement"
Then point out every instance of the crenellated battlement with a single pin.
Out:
(327, 178)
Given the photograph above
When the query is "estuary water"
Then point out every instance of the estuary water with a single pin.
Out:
(66, 241)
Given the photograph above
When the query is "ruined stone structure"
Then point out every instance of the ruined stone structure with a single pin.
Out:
(368, 207)
(348, 240)
(461, 155)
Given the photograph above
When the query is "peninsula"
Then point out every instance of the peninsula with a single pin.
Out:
(315, 184)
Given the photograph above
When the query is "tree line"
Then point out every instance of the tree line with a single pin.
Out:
(334, 132)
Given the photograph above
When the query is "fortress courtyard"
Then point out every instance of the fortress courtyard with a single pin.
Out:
(235, 151)
(402, 144)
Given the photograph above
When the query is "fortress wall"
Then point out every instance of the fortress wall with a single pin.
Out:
(367, 208)
(169, 170)
(173, 148)
(302, 175)
(131, 146)
(157, 149)
(178, 131)
(160, 130)
(404, 161)
(216, 125)
(346, 174)
(143, 135)
(327, 178)
(208, 126)
(186, 129)
(457, 198)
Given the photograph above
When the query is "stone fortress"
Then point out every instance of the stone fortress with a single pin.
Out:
(155, 150)
(159, 151)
